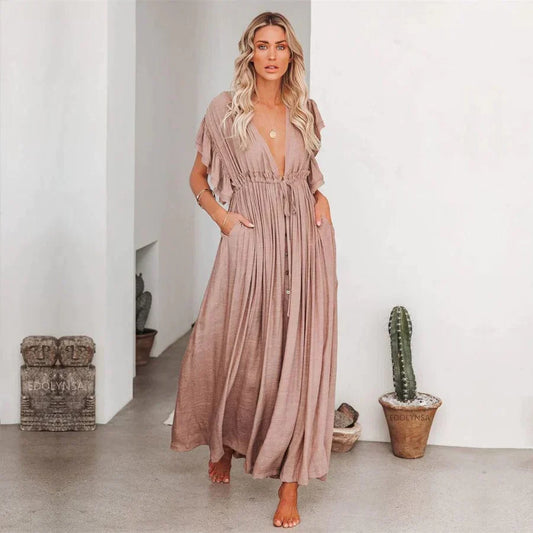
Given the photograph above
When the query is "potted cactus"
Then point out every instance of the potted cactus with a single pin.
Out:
(409, 413)
(144, 336)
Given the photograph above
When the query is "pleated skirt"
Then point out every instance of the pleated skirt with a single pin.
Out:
(259, 370)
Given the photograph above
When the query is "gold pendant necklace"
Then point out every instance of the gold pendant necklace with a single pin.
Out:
(272, 131)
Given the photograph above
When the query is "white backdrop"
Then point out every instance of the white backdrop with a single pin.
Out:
(67, 117)
(100, 104)
(428, 164)
(427, 159)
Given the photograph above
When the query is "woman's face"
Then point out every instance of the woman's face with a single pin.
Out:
(270, 50)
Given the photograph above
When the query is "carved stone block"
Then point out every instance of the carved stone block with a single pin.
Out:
(58, 384)
(58, 398)
(76, 350)
(39, 350)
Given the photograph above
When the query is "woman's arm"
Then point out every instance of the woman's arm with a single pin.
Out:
(225, 219)
(198, 181)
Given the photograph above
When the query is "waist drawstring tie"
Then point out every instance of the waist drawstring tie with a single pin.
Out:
(289, 208)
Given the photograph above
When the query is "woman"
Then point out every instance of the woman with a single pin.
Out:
(258, 376)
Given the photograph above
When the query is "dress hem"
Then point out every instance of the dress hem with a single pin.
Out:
(273, 474)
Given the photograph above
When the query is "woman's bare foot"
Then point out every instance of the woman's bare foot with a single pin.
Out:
(286, 514)
(219, 471)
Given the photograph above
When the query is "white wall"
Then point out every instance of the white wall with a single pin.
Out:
(120, 249)
(73, 92)
(185, 55)
(428, 163)
(66, 119)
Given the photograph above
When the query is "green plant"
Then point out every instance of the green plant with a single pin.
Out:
(400, 329)
(143, 302)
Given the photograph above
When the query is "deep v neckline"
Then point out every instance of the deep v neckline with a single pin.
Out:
(267, 148)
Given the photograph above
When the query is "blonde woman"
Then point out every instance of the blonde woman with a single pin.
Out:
(257, 380)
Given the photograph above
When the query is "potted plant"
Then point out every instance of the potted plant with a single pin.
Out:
(144, 336)
(409, 414)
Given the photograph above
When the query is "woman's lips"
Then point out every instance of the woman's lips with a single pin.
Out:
(271, 68)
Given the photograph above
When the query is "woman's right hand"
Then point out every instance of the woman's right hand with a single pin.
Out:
(227, 222)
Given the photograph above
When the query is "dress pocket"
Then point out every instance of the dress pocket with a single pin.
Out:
(326, 222)
(233, 230)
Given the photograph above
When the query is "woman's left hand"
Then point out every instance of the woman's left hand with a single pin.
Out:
(321, 208)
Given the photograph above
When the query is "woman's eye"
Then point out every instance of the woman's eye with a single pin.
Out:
(263, 46)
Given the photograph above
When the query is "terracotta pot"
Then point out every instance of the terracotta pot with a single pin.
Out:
(409, 424)
(143, 347)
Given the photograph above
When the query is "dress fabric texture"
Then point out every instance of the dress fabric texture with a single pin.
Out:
(259, 370)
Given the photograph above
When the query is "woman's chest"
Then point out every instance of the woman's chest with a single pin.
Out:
(280, 158)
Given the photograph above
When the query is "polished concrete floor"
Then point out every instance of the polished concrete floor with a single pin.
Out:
(124, 477)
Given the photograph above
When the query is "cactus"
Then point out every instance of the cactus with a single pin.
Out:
(400, 329)
(142, 304)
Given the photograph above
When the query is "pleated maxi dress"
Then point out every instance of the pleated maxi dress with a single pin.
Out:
(259, 370)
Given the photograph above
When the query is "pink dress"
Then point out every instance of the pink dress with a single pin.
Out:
(259, 370)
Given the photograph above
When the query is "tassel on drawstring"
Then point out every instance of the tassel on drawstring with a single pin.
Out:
(289, 207)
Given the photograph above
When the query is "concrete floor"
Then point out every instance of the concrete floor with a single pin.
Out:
(124, 477)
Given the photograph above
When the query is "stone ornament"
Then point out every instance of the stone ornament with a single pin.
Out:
(58, 384)
(76, 350)
(346, 429)
(39, 351)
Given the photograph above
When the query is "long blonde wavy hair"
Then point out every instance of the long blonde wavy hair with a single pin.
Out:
(294, 91)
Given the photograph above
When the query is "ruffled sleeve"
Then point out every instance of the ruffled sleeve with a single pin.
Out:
(220, 180)
(315, 177)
